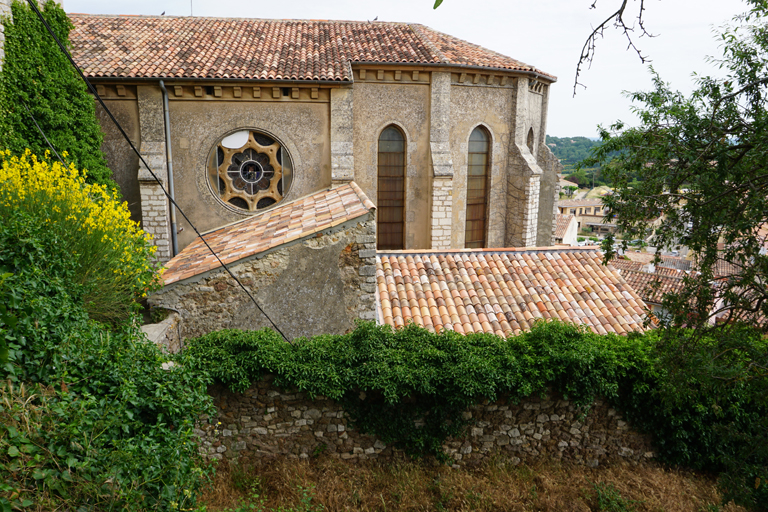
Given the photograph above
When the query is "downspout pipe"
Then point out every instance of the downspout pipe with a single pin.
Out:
(169, 159)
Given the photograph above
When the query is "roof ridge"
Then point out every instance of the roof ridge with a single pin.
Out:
(363, 197)
(416, 28)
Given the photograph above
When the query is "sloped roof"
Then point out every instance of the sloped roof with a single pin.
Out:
(258, 49)
(563, 221)
(503, 291)
(571, 203)
(280, 225)
(622, 264)
(652, 287)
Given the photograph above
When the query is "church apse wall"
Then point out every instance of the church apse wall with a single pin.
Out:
(301, 127)
(379, 103)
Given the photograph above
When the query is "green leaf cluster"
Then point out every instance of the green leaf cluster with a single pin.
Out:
(36, 74)
(88, 415)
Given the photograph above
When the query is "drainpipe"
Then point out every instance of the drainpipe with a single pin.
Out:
(169, 159)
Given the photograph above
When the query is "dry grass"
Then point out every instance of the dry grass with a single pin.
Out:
(403, 485)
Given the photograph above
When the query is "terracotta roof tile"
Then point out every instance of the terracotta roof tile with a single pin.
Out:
(562, 224)
(268, 230)
(579, 202)
(257, 49)
(505, 291)
(652, 287)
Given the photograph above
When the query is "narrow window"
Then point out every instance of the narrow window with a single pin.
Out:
(390, 213)
(530, 140)
(477, 189)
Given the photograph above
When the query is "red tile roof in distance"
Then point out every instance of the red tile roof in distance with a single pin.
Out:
(653, 287)
(110, 46)
(280, 225)
(563, 221)
(503, 291)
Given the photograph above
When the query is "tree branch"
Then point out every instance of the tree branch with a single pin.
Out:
(588, 50)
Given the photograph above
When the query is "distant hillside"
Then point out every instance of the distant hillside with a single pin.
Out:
(571, 150)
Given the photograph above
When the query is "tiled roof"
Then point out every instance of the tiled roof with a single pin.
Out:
(622, 264)
(579, 202)
(504, 291)
(270, 229)
(256, 49)
(562, 224)
(652, 287)
(641, 257)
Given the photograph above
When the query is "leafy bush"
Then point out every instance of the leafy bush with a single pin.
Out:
(388, 381)
(76, 231)
(88, 416)
(37, 74)
(709, 407)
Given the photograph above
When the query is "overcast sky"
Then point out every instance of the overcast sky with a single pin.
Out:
(547, 34)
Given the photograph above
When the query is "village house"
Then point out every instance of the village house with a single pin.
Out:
(566, 229)
(445, 137)
(589, 213)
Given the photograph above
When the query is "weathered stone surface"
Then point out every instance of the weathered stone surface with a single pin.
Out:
(317, 285)
(517, 432)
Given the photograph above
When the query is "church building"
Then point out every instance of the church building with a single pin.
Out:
(445, 137)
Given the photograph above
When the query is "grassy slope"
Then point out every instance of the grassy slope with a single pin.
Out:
(414, 486)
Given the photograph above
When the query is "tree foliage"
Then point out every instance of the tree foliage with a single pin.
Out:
(703, 166)
(37, 81)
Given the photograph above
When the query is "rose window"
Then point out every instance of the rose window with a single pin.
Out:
(250, 170)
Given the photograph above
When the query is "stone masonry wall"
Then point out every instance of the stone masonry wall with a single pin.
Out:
(442, 201)
(154, 217)
(266, 422)
(318, 285)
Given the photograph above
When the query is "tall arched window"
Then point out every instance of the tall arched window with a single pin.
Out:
(530, 140)
(477, 188)
(390, 205)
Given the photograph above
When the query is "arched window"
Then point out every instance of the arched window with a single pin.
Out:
(390, 205)
(477, 188)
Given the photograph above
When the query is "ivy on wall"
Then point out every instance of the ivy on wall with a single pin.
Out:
(37, 74)
(388, 381)
(409, 387)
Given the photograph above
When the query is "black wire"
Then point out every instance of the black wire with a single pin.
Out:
(173, 202)
(43, 134)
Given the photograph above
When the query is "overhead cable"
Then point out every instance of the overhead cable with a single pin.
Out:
(92, 89)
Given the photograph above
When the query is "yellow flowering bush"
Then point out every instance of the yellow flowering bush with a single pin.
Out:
(79, 230)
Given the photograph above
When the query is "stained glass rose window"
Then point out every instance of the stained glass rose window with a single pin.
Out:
(250, 170)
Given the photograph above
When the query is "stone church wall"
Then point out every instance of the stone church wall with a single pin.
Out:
(266, 422)
(317, 285)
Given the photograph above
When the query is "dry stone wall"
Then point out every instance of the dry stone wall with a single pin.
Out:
(267, 422)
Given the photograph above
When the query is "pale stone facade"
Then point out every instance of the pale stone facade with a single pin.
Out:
(331, 127)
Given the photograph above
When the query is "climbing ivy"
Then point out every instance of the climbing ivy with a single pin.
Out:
(409, 386)
(36, 74)
(704, 408)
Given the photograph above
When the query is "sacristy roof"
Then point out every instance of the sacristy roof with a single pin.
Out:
(280, 225)
(111, 46)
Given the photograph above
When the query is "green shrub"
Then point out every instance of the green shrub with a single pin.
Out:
(55, 221)
(89, 419)
(37, 74)
(389, 380)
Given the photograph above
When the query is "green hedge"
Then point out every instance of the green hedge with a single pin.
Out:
(702, 416)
